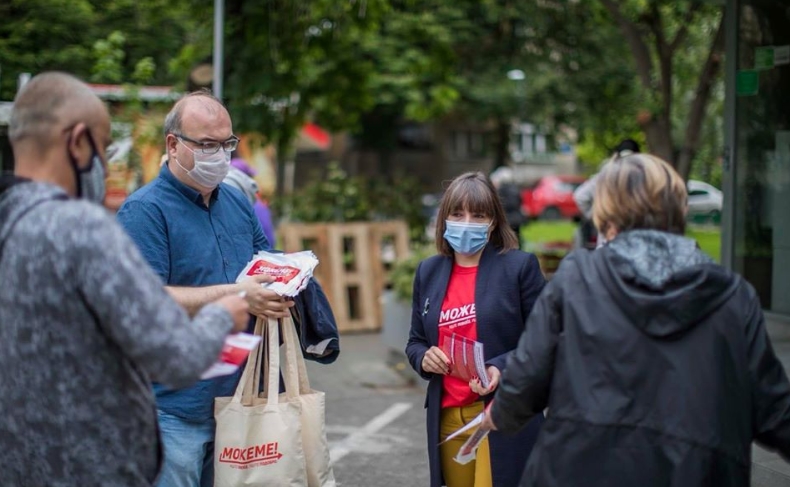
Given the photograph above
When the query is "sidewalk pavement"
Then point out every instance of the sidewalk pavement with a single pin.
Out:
(768, 469)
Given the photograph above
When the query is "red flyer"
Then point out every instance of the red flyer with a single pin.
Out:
(291, 272)
(281, 273)
(466, 358)
(234, 352)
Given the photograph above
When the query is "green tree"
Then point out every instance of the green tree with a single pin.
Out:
(668, 40)
(138, 40)
(38, 35)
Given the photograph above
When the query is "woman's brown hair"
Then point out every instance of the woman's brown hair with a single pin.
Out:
(640, 191)
(472, 191)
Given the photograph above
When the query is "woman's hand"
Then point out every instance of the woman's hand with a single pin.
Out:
(493, 382)
(435, 361)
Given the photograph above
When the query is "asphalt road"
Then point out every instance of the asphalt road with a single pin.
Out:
(374, 416)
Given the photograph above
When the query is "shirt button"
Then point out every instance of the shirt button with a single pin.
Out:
(225, 261)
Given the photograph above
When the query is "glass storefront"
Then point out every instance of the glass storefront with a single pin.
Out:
(760, 140)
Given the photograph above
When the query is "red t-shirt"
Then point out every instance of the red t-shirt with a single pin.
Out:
(458, 316)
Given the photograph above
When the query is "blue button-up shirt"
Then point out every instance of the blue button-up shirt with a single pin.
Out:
(190, 244)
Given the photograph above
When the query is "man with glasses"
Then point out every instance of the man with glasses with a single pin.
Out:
(84, 322)
(198, 235)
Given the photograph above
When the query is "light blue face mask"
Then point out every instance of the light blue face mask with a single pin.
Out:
(466, 238)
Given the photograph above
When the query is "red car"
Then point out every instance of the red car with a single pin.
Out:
(551, 197)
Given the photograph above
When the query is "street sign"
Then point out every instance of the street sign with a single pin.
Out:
(747, 82)
(764, 57)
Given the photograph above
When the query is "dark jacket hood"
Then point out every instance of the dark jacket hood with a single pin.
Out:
(663, 282)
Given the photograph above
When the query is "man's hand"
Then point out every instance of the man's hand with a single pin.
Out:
(493, 379)
(262, 301)
(435, 361)
(238, 309)
(488, 421)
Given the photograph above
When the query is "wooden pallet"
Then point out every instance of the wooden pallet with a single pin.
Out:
(351, 269)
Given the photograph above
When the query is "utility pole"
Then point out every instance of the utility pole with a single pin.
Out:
(219, 30)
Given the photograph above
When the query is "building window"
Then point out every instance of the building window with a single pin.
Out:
(761, 229)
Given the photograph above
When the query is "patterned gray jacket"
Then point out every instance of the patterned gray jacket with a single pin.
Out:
(85, 325)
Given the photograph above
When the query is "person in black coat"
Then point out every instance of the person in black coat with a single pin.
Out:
(510, 196)
(480, 287)
(653, 361)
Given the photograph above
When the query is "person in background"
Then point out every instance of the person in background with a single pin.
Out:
(583, 196)
(198, 235)
(86, 323)
(482, 287)
(244, 183)
(654, 362)
(510, 196)
(259, 205)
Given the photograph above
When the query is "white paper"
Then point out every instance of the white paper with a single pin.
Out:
(471, 424)
(234, 352)
(291, 272)
(468, 451)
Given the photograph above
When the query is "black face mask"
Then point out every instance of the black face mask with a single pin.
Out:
(91, 180)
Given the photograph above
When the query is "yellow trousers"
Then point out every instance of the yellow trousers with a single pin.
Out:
(476, 473)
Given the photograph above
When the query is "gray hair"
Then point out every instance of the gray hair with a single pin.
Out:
(174, 119)
(47, 102)
(501, 175)
(237, 179)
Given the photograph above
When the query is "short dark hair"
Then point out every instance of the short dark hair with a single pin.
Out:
(474, 192)
(49, 101)
(627, 145)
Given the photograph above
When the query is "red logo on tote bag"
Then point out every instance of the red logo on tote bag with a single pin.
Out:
(254, 456)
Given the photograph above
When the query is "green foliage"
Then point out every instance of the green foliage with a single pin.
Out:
(109, 55)
(368, 65)
(595, 147)
(335, 198)
(339, 198)
(402, 274)
(114, 41)
(144, 70)
(44, 34)
(542, 232)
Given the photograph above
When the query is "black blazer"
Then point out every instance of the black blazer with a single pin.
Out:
(506, 288)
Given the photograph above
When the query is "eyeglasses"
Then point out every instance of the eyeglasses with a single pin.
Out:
(213, 147)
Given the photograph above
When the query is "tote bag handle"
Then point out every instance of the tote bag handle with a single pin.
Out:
(293, 355)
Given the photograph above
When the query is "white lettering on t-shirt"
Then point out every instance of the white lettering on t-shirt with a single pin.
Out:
(458, 316)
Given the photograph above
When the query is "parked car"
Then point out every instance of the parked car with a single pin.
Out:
(551, 198)
(705, 201)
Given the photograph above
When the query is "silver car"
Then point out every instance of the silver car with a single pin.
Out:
(704, 200)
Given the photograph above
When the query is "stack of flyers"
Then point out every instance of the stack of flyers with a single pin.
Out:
(468, 450)
(467, 361)
(234, 352)
(291, 272)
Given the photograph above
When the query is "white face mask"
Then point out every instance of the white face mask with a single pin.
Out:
(210, 169)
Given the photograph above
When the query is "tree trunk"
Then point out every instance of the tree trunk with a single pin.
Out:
(658, 131)
(502, 147)
(700, 104)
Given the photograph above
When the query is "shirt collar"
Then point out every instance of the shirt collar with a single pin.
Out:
(190, 193)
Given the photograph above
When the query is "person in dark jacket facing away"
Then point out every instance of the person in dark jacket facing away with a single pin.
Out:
(510, 196)
(482, 287)
(654, 361)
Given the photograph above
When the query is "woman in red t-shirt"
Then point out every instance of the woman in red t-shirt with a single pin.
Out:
(480, 288)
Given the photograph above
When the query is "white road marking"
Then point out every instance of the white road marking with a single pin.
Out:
(345, 446)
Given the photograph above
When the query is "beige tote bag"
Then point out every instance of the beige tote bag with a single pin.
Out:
(316, 450)
(259, 439)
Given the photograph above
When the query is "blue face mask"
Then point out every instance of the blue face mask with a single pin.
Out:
(466, 238)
